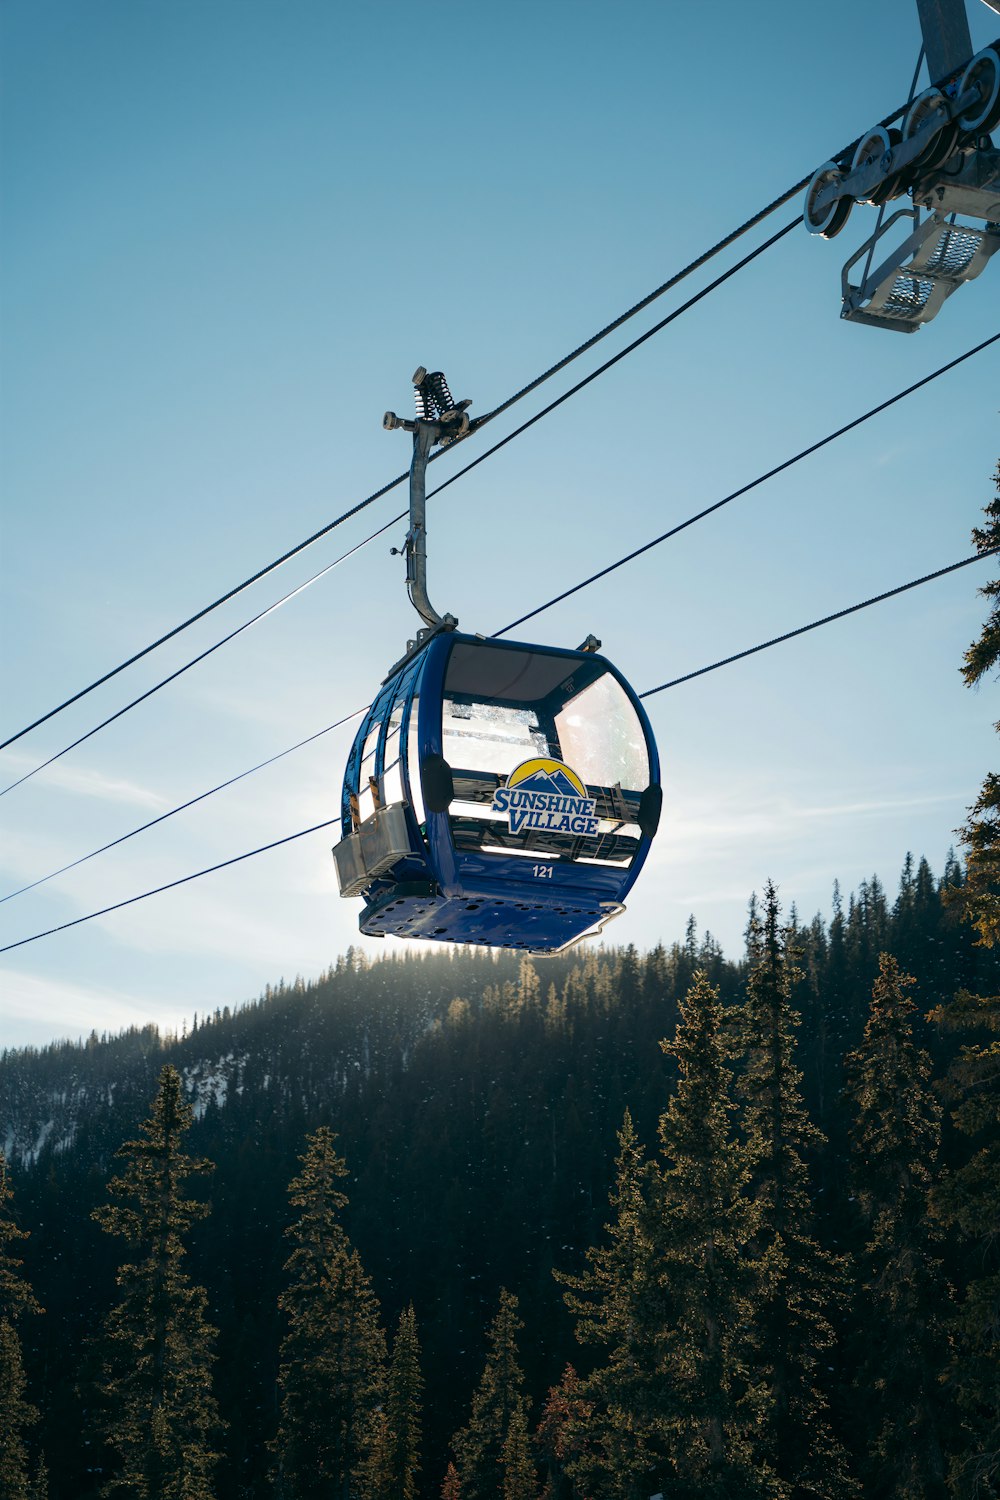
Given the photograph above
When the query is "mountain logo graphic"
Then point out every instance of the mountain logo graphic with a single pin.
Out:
(548, 796)
(544, 775)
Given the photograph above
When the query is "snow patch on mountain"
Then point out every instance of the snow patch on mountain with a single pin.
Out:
(208, 1083)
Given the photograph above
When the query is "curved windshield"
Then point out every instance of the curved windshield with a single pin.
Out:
(507, 711)
(601, 736)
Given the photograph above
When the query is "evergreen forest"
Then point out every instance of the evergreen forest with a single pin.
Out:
(604, 1226)
(500, 1154)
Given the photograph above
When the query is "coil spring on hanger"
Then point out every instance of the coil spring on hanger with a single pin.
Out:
(432, 396)
(423, 402)
(440, 393)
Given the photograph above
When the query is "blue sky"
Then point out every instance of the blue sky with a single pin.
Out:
(230, 231)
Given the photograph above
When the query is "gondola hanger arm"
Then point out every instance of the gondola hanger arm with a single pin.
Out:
(439, 420)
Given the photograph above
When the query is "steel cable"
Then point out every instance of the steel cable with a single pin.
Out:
(649, 692)
(496, 411)
(745, 488)
(839, 614)
(708, 510)
(172, 884)
(172, 676)
(588, 380)
(183, 806)
(385, 489)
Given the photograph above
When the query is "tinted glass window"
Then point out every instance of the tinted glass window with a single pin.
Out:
(502, 707)
(601, 737)
(495, 737)
(366, 802)
(413, 761)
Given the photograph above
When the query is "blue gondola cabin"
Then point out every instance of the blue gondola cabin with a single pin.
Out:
(498, 793)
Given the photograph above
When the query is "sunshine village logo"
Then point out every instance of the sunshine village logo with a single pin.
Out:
(546, 795)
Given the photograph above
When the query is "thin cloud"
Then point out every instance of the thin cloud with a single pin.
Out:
(773, 819)
(890, 455)
(221, 916)
(878, 808)
(72, 1010)
(83, 783)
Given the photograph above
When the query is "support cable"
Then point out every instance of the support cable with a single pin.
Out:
(172, 676)
(745, 488)
(616, 358)
(573, 390)
(518, 395)
(675, 682)
(839, 614)
(183, 806)
(666, 286)
(694, 265)
(172, 884)
(594, 577)
(201, 613)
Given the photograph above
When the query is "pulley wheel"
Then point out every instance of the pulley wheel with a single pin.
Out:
(841, 214)
(931, 106)
(892, 185)
(982, 73)
(872, 147)
(832, 216)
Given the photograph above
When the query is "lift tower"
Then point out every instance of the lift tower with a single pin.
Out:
(943, 159)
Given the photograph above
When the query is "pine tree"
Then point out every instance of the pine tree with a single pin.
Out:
(518, 1470)
(39, 1488)
(451, 1488)
(978, 898)
(791, 1321)
(562, 1433)
(16, 1415)
(16, 1412)
(610, 1300)
(903, 1295)
(969, 1201)
(332, 1357)
(162, 1419)
(395, 1458)
(984, 653)
(706, 1286)
(498, 1405)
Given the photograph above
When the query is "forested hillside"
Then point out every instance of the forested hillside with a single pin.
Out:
(476, 1100)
